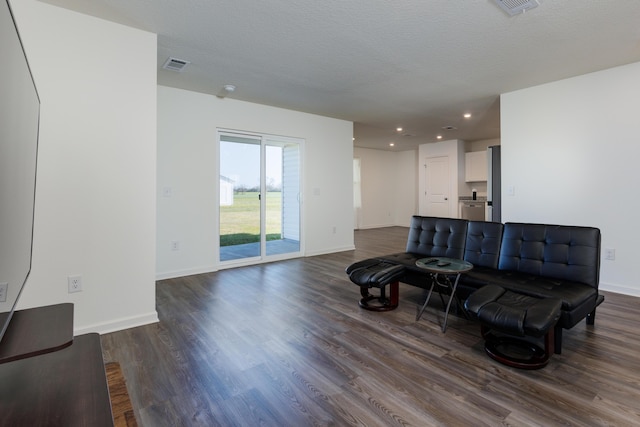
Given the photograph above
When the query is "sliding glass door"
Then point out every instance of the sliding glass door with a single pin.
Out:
(259, 197)
(240, 228)
(282, 167)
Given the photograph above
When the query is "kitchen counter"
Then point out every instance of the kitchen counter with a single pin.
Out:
(479, 199)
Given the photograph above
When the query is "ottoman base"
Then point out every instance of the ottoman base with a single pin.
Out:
(516, 321)
(518, 353)
(381, 302)
(376, 273)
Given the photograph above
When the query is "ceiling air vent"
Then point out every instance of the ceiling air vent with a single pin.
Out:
(175, 64)
(515, 7)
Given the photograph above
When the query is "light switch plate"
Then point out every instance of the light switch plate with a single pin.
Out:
(4, 288)
(610, 254)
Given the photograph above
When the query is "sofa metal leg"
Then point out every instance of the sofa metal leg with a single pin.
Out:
(591, 317)
(557, 339)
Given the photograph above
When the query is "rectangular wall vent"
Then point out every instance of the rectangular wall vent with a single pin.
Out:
(515, 7)
(175, 64)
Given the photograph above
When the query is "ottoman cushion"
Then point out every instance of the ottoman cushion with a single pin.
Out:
(512, 313)
(374, 273)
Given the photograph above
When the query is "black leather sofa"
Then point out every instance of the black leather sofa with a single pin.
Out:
(537, 260)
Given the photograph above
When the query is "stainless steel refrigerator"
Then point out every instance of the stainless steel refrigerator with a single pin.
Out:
(494, 198)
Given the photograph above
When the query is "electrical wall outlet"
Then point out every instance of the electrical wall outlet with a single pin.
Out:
(74, 283)
(175, 245)
(4, 288)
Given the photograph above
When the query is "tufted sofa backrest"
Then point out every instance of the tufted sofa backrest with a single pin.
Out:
(555, 251)
(431, 236)
(483, 242)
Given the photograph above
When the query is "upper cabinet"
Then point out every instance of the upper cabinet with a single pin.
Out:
(475, 166)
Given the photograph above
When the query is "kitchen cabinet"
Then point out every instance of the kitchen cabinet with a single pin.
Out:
(475, 166)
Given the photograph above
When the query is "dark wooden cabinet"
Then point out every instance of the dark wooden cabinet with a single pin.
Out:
(37, 331)
(62, 384)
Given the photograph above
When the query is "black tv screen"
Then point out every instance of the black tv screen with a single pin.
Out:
(19, 124)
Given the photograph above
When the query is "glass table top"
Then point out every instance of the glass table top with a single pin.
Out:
(444, 265)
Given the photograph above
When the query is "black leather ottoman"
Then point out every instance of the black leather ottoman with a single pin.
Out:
(515, 317)
(376, 273)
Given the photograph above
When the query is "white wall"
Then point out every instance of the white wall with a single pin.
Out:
(570, 151)
(388, 187)
(95, 198)
(405, 172)
(187, 163)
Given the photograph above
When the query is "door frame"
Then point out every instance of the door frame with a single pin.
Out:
(264, 139)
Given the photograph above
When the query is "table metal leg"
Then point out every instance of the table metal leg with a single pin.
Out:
(433, 283)
(453, 292)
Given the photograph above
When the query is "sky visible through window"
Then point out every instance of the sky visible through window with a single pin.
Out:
(240, 162)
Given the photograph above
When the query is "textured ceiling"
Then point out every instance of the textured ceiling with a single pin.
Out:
(419, 64)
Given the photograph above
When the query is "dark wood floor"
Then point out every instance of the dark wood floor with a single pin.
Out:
(285, 344)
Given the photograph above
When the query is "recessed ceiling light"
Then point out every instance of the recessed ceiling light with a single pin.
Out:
(467, 115)
(391, 144)
(399, 129)
(439, 137)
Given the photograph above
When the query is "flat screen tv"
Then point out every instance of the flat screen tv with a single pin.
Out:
(19, 125)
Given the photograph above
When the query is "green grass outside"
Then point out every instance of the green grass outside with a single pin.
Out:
(240, 222)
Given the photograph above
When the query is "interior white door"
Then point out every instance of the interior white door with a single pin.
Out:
(437, 186)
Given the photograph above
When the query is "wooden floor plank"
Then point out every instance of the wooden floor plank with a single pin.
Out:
(286, 344)
(123, 414)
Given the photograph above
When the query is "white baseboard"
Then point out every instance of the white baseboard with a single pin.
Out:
(119, 324)
(619, 289)
(183, 273)
(330, 251)
(369, 227)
